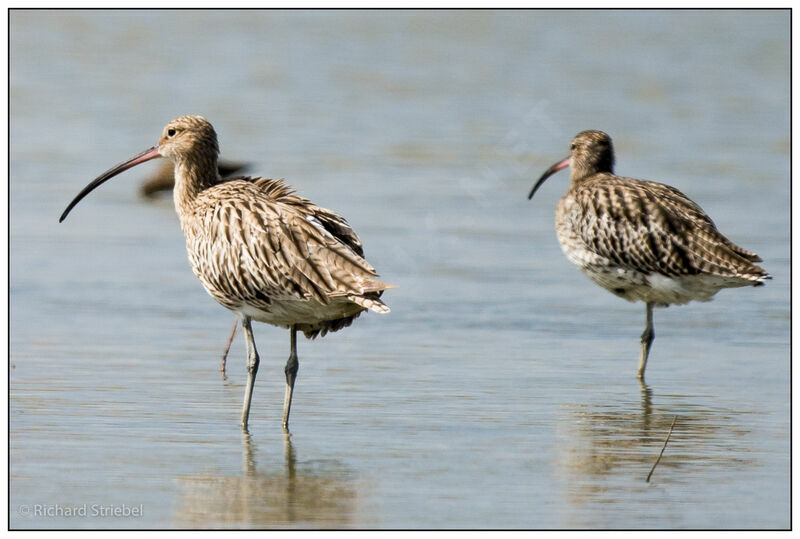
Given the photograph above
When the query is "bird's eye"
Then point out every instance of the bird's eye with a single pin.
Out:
(572, 147)
(171, 132)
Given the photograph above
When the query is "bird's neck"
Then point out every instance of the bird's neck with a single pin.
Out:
(192, 177)
(580, 174)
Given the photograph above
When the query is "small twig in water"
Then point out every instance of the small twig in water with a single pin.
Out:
(663, 447)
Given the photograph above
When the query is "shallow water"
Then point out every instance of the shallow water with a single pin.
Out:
(500, 392)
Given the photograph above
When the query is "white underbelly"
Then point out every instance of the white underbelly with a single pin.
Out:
(288, 312)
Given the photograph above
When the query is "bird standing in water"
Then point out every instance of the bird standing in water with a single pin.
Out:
(642, 240)
(259, 249)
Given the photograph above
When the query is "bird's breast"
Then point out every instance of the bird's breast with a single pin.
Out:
(570, 223)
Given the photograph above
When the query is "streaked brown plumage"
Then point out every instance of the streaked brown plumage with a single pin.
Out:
(164, 180)
(642, 240)
(274, 256)
(259, 249)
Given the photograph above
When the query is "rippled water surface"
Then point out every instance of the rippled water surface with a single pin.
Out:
(500, 392)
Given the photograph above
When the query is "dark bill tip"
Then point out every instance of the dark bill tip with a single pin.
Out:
(547, 173)
(148, 154)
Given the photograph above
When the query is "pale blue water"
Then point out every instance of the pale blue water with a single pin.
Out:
(501, 391)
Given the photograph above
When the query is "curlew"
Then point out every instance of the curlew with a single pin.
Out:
(259, 249)
(642, 240)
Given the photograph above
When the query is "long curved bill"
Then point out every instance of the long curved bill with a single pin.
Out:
(147, 155)
(564, 163)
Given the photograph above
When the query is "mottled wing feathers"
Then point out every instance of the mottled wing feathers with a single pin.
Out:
(339, 228)
(268, 243)
(653, 227)
(335, 224)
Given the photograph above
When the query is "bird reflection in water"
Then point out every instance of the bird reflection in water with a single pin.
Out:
(318, 494)
(602, 443)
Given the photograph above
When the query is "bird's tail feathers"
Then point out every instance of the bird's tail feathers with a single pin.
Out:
(370, 302)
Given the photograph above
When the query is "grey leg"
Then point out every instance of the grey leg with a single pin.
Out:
(228, 346)
(647, 339)
(292, 365)
(252, 368)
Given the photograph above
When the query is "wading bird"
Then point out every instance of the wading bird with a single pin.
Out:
(642, 240)
(259, 249)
